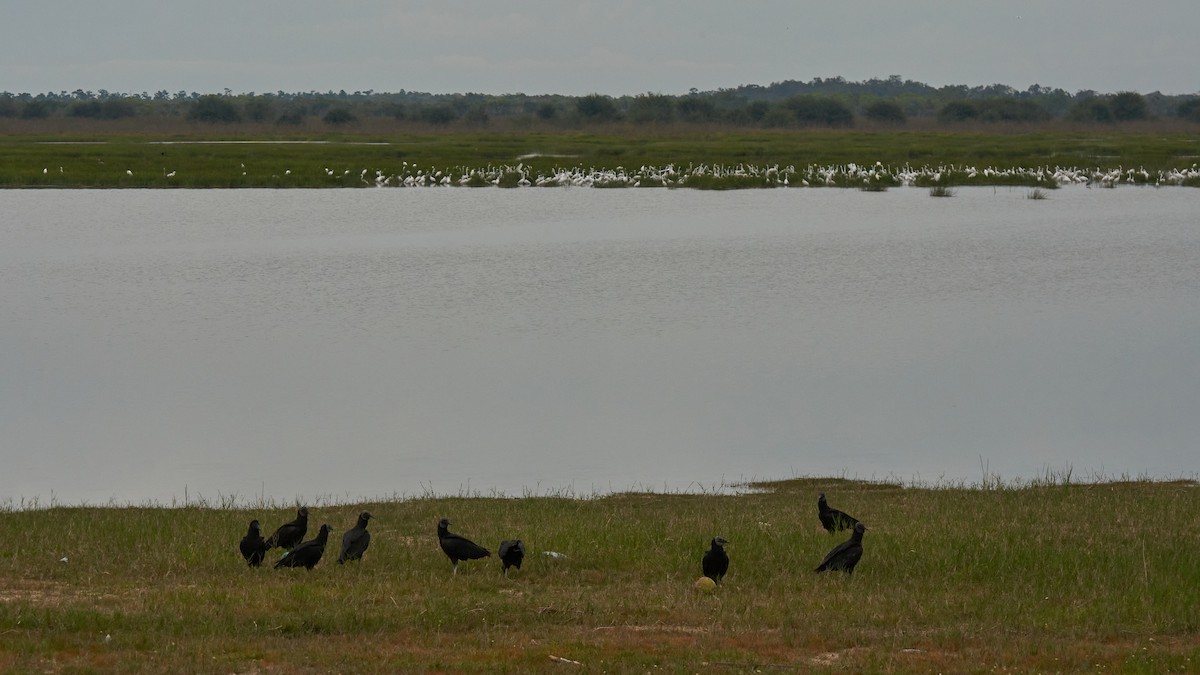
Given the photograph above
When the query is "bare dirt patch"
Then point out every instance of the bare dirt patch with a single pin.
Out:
(37, 593)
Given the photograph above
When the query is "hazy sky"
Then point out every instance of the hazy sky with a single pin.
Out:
(612, 47)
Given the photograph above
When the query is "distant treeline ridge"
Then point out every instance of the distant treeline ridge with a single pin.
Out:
(829, 102)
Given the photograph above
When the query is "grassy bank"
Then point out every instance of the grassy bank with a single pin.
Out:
(229, 161)
(1043, 577)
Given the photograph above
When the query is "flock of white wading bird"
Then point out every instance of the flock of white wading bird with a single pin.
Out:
(747, 175)
(840, 175)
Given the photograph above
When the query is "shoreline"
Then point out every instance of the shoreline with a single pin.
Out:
(230, 503)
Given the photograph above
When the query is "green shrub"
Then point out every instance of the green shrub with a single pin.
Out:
(1093, 109)
(510, 179)
(696, 109)
(958, 111)
(440, 115)
(259, 109)
(819, 110)
(728, 182)
(477, 115)
(758, 110)
(654, 108)
(339, 116)
(778, 117)
(1128, 106)
(596, 107)
(36, 110)
(111, 109)
(1005, 109)
(290, 117)
(886, 112)
(1189, 110)
(213, 108)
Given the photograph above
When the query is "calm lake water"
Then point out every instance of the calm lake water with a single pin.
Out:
(364, 343)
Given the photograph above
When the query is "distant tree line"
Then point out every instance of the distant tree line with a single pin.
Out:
(829, 102)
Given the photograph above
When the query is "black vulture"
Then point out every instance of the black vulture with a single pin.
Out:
(715, 562)
(832, 519)
(290, 534)
(458, 548)
(308, 554)
(845, 555)
(356, 540)
(512, 552)
(253, 547)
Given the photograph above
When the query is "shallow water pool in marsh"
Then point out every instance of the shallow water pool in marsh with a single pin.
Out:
(299, 344)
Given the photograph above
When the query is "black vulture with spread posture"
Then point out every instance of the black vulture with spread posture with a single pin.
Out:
(457, 547)
(253, 546)
(308, 554)
(832, 519)
(845, 555)
(715, 562)
(356, 540)
(290, 534)
(511, 552)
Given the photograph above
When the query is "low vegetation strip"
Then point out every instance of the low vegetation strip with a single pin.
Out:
(715, 161)
(1043, 576)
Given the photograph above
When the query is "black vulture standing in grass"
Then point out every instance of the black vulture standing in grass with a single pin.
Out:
(356, 540)
(715, 562)
(512, 552)
(308, 554)
(253, 547)
(458, 548)
(832, 519)
(290, 534)
(845, 555)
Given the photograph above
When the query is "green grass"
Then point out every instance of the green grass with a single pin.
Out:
(200, 161)
(1043, 576)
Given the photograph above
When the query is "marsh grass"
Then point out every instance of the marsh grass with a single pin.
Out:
(940, 191)
(1036, 193)
(728, 182)
(216, 158)
(1048, 575)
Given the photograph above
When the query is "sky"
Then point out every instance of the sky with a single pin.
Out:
(614, 47)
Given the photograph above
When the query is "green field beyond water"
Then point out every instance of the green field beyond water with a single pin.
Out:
(1048, 576)
(142, 161)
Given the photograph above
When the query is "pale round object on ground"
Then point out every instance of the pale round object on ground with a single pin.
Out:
(705, 585)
